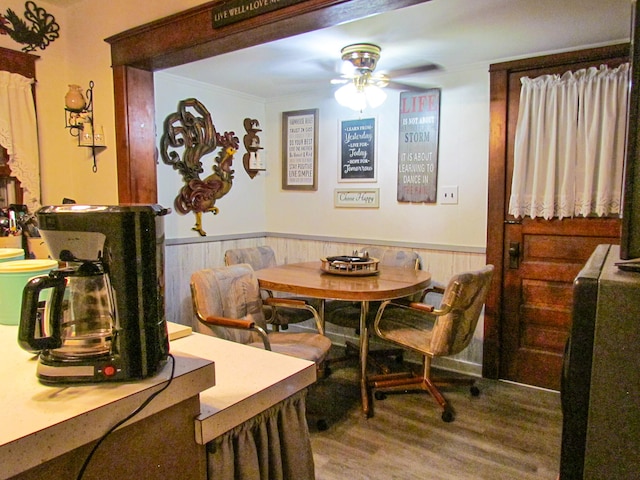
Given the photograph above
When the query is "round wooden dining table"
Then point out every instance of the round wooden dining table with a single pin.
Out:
(309, 280)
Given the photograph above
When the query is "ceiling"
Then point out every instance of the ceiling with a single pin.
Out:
(453, 34)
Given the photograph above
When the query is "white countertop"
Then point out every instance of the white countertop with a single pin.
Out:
(42, 422)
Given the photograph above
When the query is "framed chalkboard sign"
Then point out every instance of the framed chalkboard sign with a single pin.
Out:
(357, 150)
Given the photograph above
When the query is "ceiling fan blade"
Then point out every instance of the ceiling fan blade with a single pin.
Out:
(405, 72)
(331, 66)
(405, 87)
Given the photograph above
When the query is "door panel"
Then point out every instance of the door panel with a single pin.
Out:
(539, 293)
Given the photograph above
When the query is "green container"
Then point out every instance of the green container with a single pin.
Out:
(11, 254)
(14, 276)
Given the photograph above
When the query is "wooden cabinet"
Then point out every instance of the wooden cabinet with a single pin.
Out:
(10, 190)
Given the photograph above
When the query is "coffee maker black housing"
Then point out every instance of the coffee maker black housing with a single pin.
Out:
(128, 242)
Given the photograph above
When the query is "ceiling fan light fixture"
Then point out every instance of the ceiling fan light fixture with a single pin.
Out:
(358, 97)
(375, 96)
(364, 89)
(351, 97)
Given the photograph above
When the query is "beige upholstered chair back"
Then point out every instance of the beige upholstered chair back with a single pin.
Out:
(453, 331)
(257, 257)
(397, 258)
(394, 258)
(231, 292)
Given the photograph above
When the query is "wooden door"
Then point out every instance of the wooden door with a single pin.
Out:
(544, 258)
(528, 315)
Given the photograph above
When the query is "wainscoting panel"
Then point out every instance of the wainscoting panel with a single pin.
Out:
(181, 260)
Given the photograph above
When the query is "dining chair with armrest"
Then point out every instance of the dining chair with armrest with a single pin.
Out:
(433, 331)
(227, 304)
(278, 316)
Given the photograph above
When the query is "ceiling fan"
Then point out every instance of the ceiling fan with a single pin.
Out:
(360, 61)
(361, 86)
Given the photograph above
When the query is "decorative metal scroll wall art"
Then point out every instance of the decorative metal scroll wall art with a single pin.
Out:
(189, 131)
(37, 30)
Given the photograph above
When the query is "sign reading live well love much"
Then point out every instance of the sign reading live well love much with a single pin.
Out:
(357, 149)
(418, 146)
(237, 10)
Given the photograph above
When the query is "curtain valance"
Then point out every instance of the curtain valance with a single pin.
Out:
(569, 144)
(19, 134)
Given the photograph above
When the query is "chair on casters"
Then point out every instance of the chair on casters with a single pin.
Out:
(227, 304)
(433, 332)
(264, 257)
(347, 314)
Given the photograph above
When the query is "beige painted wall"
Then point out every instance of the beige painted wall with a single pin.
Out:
(79, 55)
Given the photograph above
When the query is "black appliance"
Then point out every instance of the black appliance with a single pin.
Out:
(101, 318)
(630, 232)
(600, 389)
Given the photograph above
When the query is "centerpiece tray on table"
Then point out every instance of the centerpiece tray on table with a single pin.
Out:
(350, 265)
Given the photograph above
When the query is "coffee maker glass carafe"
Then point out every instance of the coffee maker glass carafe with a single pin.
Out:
(79, 318)
(87, 313)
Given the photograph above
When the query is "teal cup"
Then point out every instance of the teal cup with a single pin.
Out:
(14, 275)
(11, 254)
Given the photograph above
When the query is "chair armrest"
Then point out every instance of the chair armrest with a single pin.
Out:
(445, 306)
(239, 323)
(284, 302)
(417, 306)
(423, 307)
(297, 304)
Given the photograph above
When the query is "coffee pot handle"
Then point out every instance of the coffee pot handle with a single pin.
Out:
(29, 313)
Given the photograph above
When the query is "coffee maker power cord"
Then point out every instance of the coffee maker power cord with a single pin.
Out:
(127, 418)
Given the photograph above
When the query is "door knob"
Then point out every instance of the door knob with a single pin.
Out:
(514, 255)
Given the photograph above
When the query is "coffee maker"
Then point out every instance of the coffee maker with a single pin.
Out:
(101, 317)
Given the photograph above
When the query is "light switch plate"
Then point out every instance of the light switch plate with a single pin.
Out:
(449, 195)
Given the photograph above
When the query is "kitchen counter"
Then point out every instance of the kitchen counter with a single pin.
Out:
(248, 381)
(47, 424)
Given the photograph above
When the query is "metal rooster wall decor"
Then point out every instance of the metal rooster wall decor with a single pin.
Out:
(191, 131)
(42, 31)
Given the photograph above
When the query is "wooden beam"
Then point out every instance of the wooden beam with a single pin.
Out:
(135, 135)
(190, 36)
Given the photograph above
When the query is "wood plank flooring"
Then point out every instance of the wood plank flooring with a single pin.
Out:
(509, 432)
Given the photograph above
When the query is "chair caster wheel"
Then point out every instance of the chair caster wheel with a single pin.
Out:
(447, 416)
(380, 395)
(322, 425)
(475, 391)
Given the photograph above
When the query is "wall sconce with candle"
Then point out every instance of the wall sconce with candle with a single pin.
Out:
(79, 119)
(253, 163)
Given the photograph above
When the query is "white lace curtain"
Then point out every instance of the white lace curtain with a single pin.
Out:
(569, 144)
(19, 134)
